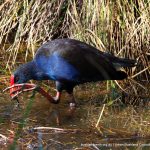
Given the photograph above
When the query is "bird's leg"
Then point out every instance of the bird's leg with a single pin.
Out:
(54, 100)
(72, 101)
(57, 97)
(16, 89)
(72, 105)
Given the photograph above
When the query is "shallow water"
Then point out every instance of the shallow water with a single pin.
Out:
(119, 126)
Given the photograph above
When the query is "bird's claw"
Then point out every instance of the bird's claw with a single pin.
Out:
(20, 88)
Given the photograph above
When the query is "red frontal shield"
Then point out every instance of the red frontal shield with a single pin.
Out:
(12, 82)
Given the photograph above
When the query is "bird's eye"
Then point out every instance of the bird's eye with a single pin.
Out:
(16, 79)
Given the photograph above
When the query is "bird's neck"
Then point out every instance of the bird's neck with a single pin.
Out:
(34, 72)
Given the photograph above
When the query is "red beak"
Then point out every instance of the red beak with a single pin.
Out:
(12, 82)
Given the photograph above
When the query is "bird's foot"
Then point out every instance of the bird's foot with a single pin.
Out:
(17, 89)
(72, 104)
(71, 110)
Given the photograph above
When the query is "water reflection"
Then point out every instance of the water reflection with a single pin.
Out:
(119, 124)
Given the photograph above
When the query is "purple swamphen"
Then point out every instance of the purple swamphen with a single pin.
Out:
(69, 62)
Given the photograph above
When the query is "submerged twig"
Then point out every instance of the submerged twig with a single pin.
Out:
(100, 116)
(56, 129)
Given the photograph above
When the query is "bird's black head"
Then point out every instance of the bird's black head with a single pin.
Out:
(22, 75)
(25, 73)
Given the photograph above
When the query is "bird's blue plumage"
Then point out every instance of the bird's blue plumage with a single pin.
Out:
(57, 67)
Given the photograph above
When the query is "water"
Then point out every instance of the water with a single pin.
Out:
(124, 127)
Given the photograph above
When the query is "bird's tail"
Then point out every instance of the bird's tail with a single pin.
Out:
(121, 62)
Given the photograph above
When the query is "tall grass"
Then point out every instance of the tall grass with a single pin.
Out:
(28, 21)
(121, 27)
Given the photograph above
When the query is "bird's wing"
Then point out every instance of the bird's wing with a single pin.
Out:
(74, 60)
